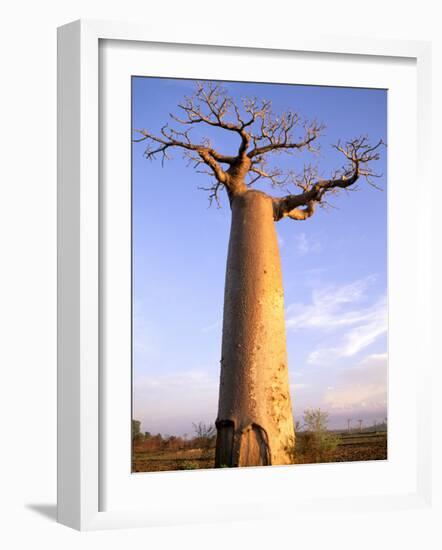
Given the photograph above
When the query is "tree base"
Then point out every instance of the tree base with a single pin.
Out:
(247, 447)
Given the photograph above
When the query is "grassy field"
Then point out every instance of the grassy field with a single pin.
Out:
(352, 447)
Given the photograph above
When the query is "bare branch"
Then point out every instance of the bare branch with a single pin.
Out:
(213, 193)
(276, 134)
(211, 105)
(303, 213)
(261, 133)
(169, 139)
(358, 152)
(276, 176)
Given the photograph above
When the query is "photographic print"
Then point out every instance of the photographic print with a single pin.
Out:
(259, 274)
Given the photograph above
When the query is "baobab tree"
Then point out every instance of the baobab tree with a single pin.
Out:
(255, 420)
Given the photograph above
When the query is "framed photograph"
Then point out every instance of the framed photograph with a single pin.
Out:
(317, 363)
(237, 233)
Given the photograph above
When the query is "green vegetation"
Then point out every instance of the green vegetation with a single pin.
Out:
(205, 438)
(189, 465)
(136, 434)
(314, 442)
(317, 443)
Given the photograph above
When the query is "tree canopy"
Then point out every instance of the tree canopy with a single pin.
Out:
(262, 135)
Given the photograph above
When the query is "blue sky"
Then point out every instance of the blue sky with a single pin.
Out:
(334, 268)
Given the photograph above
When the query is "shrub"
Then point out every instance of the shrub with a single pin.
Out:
(205, 437)
(315, 443)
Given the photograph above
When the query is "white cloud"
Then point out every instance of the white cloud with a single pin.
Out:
(361, 388)
(326, 309)
(299, 386)
(212, 326)
(305, 244)
(341, 307)
(169, 403)
(189, 380)
(145, 334)
(368, 325)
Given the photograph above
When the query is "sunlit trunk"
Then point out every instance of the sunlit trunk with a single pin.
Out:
(255, 422)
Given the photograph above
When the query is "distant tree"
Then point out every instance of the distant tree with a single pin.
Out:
(205, 436)
(381, 426)
(204, 431)
(136, 434)
(173, 443)
(157, 442)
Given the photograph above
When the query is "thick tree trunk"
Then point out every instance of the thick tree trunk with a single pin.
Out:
(255, 422)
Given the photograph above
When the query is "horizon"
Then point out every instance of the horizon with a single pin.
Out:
(188, 435)
(334, 270)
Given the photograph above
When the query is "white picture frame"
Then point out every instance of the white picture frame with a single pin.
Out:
(80, 273)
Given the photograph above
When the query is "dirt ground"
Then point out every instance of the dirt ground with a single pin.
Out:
(353, 447)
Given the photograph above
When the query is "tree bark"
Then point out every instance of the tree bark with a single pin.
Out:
(255, 421)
